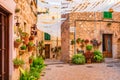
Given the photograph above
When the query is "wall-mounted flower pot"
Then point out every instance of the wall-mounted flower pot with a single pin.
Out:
(16, 44)
(30, 61)
(21, 52)
(30, 48)
(16, 66)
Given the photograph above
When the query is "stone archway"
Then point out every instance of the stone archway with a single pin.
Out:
(118, 48)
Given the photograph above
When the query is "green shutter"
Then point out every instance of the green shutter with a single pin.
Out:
(47, 36)
(107, 15)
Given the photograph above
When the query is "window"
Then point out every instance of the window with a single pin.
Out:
(47, 36)
(107, 15)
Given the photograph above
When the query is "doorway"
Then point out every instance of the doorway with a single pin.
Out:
(107, 45)
(47, 51)
(4, 45)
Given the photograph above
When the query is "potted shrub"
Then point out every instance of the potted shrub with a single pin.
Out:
(17, 43)
(98, 56)
(78, 59)
(18, 62)
(30, 46)
(88, 54)
(22, 49)
(31, 59)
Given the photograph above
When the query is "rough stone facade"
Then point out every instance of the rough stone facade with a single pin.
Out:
(89, 30)
(26, 16)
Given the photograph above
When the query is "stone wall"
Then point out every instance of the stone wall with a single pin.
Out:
(25, 15)
(90, 29)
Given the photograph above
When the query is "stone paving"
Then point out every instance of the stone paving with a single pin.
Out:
(56, 70)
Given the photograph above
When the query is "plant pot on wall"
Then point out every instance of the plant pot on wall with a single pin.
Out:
(17, 43)
(22, 49)
(30, 46)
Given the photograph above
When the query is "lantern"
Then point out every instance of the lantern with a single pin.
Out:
(111, 10)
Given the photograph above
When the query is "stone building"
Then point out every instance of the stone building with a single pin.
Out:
(89, 25)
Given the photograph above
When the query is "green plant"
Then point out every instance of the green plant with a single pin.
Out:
(72, 42)
(78, 40)
(23, 47)
(24, 34)
(18, 40)
(18, 62)
(41, 47)
(30, 44)
(89, 47)
(98, 56)
(31, 57)
(78, 59)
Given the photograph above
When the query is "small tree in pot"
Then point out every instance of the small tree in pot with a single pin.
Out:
(88, 54)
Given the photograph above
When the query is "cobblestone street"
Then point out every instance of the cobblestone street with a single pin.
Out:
(55, 70)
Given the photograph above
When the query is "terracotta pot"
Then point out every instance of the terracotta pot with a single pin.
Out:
(30, 48)
(21, 52)
(16, 44)
(30, 61)
(16, 66)
(88, 61)
(26, 41)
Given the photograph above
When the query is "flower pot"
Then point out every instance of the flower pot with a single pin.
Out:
(88, 61)
(16, 66)
(26, 40)
(30, 48)
(21, 52)
(30, 61)
(16, 44)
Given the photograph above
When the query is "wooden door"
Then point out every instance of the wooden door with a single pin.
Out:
(4, 46)
(107, 45)
(47, 50)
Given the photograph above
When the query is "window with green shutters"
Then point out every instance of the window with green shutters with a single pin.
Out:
(107, 15)
(47, 36)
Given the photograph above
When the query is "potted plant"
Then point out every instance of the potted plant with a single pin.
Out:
(25, 37)
(17, 43)
(30, 46)
(22, 49)
(31, 38)
(17, 62)
(78, 40)
(88, 54)
(98, 56)
(72, 42)
(86, 41)
(31, 59)
(41, 47)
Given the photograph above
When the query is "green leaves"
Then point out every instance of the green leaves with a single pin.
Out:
(78, 59)
(89, 47)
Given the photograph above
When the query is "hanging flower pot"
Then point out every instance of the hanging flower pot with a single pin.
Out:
(22, 49)
(31, 38)
(30, 46)
(17, 43)
(17, 62)
(86, 41)
(24, 35)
